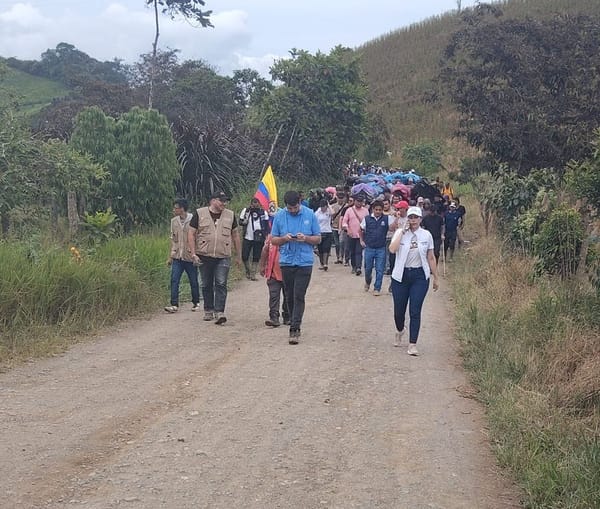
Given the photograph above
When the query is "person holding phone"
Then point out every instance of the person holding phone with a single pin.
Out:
(415, 264)
(295, 231)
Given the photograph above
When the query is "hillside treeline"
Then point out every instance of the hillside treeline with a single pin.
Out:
(401, 68)
(221, 132)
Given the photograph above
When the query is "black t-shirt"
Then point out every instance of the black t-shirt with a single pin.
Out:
(461, 210)
(215, 217)
(433, 223)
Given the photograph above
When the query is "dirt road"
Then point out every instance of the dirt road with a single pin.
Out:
(175, 412)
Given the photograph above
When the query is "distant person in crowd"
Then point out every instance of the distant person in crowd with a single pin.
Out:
(401, 220)
(180, 259)
(271, 270)
(388, 210)
(255, 223)
(344, 238)
(373, 232)
(426, 207)
(295, 230)
(212, 232)
(415, 265)
(448, 191)
(336, 221)
(434, 224)
(463, 212)
(351, 224)
(324, 216)
(303, 200)
(451, 224)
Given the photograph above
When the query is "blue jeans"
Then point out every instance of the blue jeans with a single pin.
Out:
(374, 256)
(214, 272)
(177, 269)
(413, 288)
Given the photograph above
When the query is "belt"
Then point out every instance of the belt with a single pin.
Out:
(413, 268)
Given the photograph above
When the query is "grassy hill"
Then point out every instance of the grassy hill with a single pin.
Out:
(401, 65)
(30, 92)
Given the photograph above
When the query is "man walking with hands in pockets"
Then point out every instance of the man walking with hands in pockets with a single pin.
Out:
(296, 231)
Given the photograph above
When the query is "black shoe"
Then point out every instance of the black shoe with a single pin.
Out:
(358, 272)
(294, 335)
(272, 323)
(286, 321)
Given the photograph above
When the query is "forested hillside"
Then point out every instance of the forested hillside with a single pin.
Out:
(401, 66)
(33, 93)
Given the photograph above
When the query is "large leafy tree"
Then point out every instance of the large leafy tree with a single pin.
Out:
(527, 89)
(139, 153)
(317, 116)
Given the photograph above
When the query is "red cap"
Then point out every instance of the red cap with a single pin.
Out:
(401, 204)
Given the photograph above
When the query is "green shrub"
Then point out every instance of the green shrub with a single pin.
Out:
(558, 243)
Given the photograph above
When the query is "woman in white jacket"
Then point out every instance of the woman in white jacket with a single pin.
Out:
(415, 264)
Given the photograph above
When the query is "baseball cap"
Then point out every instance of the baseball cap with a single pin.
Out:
(453, 204)
(402, 204)
(415, 211)
(219, 195)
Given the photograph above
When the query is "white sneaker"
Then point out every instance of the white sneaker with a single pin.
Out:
(376, 293)
(398, 338)
(195, 307)
(367, 287)
(220, 318)
(171, 309)
(412, 350)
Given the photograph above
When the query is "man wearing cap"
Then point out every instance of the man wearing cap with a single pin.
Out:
(452, 220)
(212, 231)
(373, 233)
(296, 231)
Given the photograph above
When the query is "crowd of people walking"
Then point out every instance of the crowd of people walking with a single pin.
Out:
(395, 235)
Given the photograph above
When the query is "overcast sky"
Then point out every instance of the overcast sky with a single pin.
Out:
(247, 33)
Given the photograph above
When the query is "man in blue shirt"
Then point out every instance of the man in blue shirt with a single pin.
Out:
(295, 230)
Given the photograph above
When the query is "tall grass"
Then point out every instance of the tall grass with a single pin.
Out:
(533, 349)
(47, 296)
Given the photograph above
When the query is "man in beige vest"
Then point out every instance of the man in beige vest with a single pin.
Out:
(180, 260)
(212, 231)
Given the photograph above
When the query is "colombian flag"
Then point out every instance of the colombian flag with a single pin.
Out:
(267, 192)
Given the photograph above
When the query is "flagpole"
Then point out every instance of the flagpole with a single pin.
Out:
(264, 168)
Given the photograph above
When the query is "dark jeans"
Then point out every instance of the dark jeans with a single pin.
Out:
(345, 246)
(295, 281)
(276, 288)
(337, 244)
(355, 253)
(413, 289)
(251, 246)
(177, 269)
(374, 257)
(214, 272)
(437, 244)
(325, 244)
(449, 242)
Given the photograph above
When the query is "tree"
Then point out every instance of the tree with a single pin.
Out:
(317, 115)
(189, 9)
(527, 89)
(250, 87)
(139, 153)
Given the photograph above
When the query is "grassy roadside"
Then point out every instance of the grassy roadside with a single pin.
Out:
(50, 298)
(532, 347)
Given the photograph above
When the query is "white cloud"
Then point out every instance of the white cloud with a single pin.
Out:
(262, 63)
(120, 31)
